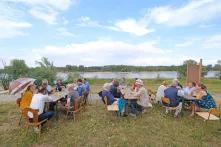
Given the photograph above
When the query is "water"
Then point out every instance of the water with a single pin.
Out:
(132, 75)
(127, 75)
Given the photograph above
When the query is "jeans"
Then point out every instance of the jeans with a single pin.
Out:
(46, 115)
(136, 108)
(109, 95)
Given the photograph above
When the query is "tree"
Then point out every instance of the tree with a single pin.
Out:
(17, 69)
(183, 68)
(45, 70)
(4, 77)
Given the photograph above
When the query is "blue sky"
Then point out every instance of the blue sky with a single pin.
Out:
(104, 32)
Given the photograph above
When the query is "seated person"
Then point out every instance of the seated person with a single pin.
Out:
(160, 92)
(134, 87)
(106, 93)
(46, 87)
(59, 86)
(73, 98)
(142, 99)
(38, 102)
(206, 100)
(27, 97)
(190, 88)
(173, 94)
(80, 87)
(114, 89)
(87, 85)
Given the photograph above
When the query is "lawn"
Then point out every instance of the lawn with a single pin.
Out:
(97, 127)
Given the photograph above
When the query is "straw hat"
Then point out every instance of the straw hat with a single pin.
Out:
(139, 82)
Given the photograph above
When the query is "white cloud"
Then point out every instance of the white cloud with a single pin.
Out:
(46, 10)
(195, 11)
(11, 23)
(103, 52)
(47, 15)
(132, 26)
(64, 32)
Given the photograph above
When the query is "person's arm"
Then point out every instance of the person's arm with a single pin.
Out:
(137, 94)
(47, 98)
(180, 93)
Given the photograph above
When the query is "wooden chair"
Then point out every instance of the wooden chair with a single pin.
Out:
(34, 121)
(73, 110)
(216, 112)
(166, 100)
(113, 107)
(211, 114)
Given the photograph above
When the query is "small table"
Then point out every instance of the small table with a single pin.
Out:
(187, 98)
(57, 96)
(128, 96)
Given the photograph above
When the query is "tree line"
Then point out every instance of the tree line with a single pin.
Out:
(46, 70)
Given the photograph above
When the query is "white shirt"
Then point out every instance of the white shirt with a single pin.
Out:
(160, 92)
(38, 102)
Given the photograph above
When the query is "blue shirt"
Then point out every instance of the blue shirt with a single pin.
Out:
(87, 86)
(81, 89)
(172, 94)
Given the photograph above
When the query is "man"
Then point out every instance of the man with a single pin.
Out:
(73, 97)
(106, 93)
(59, 86)
(87, 85)
(190, 88)
(38, 102)
(142, 99)
(173, 94)
(114, 89)
(80, 87)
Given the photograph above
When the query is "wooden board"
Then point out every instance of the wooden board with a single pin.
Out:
(205, 116)
(113, 107)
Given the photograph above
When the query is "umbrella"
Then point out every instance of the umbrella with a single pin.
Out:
(17, 86)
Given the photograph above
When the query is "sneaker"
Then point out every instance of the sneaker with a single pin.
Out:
(133, 115)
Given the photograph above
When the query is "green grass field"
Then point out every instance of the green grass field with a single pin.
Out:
(97, 127)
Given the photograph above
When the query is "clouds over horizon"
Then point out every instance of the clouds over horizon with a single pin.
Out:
(67, 31)
(195, 11)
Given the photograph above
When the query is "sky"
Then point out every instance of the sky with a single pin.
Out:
(110, 32)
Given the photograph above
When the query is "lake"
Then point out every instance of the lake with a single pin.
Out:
(132, 75)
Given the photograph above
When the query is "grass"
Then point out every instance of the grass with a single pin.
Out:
(97, 127)
(213, 85)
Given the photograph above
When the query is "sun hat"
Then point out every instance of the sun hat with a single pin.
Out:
(139, 82)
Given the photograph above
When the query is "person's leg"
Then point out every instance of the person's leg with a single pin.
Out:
(133, 106)
(140, 108)
(47, 115)
(178, 109)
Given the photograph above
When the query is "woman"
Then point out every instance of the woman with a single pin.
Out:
(142, 99)
(160, 92)
(27, 97)
(206, 100)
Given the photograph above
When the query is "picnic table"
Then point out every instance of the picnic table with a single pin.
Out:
(186, 99)
(57, 96)
(127, 92)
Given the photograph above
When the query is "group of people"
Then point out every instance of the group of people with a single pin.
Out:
(35, 97)
(172, 95)
(115, 93)
(168, 95)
